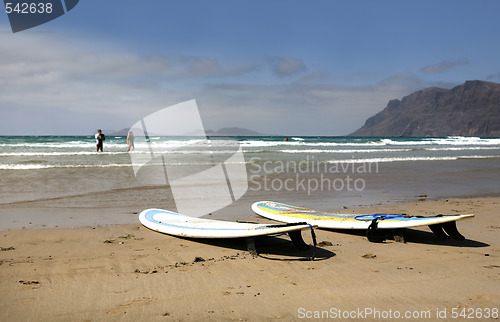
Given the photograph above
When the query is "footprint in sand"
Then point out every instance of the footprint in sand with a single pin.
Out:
(122, 308)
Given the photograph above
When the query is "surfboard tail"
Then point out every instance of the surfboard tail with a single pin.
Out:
(444, 230)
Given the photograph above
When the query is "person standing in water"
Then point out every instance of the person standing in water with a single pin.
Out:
(99, 138)
(130, 141)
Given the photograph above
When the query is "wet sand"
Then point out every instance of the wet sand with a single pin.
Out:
(127, 272)
(77, 197)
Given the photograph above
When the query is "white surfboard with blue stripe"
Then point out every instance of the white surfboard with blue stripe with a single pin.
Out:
(172, 223)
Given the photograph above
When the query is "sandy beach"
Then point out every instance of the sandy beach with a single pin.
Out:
(119, 117)
(127, 272)
(73, 249)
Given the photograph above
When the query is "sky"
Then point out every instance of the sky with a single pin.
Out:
(283, 67)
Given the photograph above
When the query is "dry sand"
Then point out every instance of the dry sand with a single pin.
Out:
(127, 272)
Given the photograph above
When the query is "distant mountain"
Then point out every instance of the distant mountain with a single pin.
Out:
(227, 131)
(122, 132)
(233, 131)
(470, 109)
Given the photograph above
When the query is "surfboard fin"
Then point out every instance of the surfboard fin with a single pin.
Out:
(296, 237)
(437, 229)
(447, 230)
(451, 229)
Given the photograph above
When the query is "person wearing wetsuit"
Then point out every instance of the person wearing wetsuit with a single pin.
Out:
(99, 138)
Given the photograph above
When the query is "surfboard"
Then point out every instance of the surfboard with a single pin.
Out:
(442, 226)
(172, 223)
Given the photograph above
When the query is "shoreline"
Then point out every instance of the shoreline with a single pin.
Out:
(15, 217)
(129, 272)
(35, 214)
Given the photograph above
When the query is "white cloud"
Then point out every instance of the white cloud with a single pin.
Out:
(313, 77)
(61, 88)
(42, 72)
(444, 66)
(287, 66)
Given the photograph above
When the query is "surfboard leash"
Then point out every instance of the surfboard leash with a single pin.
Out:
(370, 232)
(313, 235)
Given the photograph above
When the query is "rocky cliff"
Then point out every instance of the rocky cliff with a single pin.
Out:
(470, 109)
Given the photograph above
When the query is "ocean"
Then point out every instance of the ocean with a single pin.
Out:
(42, 152)
(48, 172)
